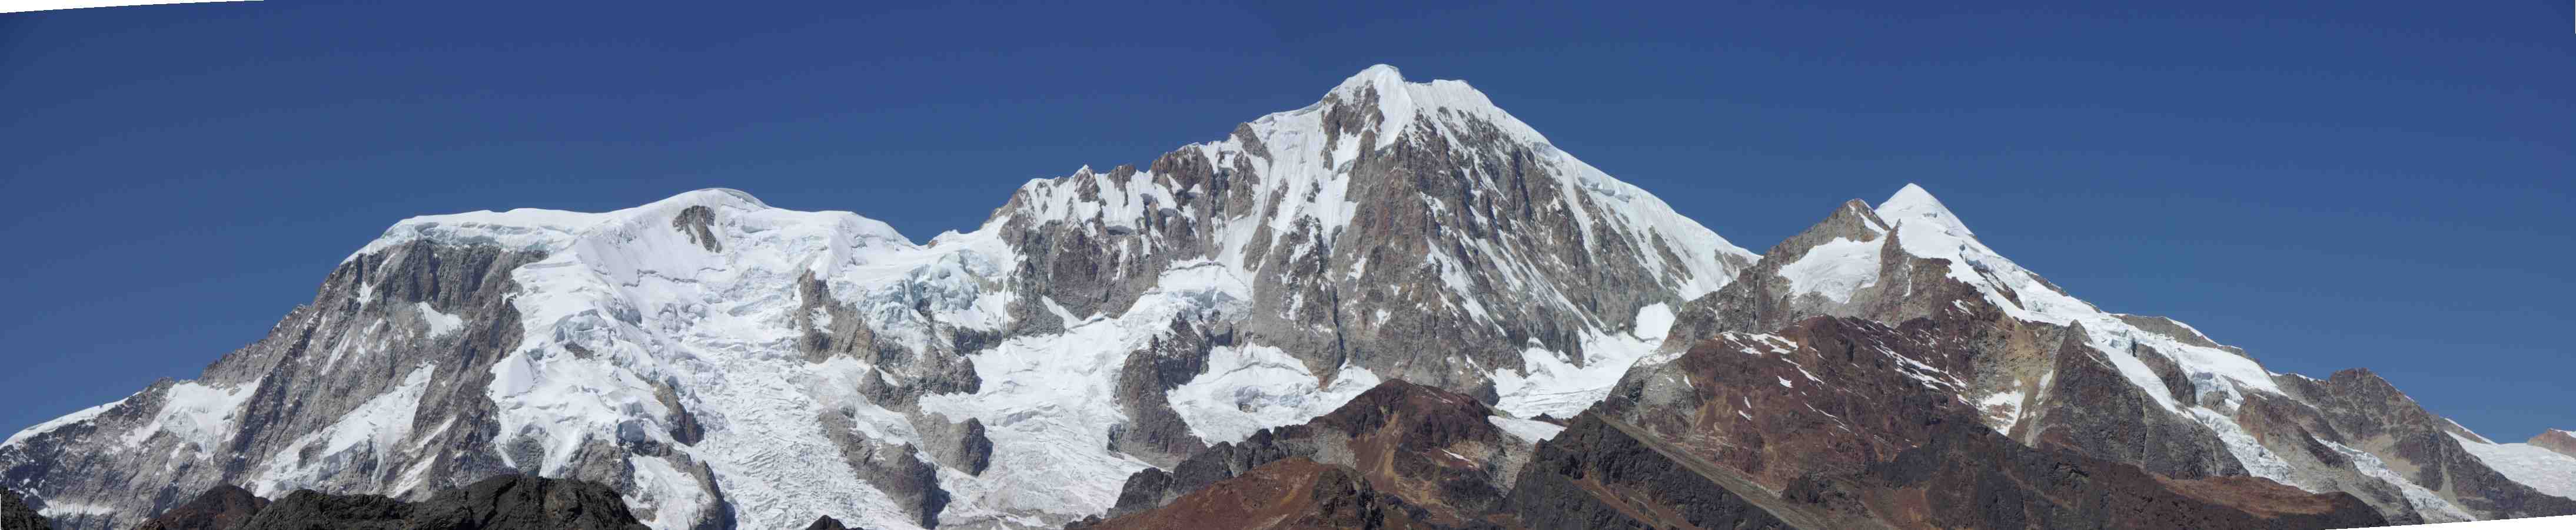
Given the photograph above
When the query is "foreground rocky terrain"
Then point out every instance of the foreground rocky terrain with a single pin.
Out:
(1397, 307)
(498, 503)
(1407, 456)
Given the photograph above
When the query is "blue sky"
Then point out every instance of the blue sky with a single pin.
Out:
(2329, 185)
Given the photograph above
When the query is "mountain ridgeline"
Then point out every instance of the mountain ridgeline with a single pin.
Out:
(1397, 307)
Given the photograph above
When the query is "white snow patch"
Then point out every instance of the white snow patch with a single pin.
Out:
(383, 421)
(2434, 508)
(1550, 383)
(2258, 460)
(659, 484)
(62, 510)
(1835, 269)
(377, 427)
(196, 413)
(2005, 404)
(1533, 431)
(78, 416)
(2531, 465)
(1252, 387)
(2472, 435)
(440, 324)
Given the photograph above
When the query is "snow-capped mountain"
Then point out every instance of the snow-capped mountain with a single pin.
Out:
(726, 364)
(2050, 370)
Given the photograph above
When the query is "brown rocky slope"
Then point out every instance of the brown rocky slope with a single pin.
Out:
(498, 503)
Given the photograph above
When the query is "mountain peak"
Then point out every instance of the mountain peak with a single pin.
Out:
(554, 230)
(1403, 103)
(716, 196)
(1382, 77)
(2556, 440)
(1914, 203)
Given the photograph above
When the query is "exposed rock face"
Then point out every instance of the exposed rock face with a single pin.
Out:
(499, 503)
(2559, 441)
(826, 523)
(2095, 410)
(897, 469)
(2177, 330)
(1605, 473)
(1602, 473)
(1766, 299)
(698, 223)
(1828, 395)
(1295, 493)
(1439, 452)
(397, 342)
(526, 503)
(2283, 427)
(961, 446)
(1969, 477)
(1854, 419)
(2360, 410)
(222, 508)
(1154, 432)
(14, 513)
(312, 510)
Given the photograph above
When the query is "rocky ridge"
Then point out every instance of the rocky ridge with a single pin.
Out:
(2556, 440)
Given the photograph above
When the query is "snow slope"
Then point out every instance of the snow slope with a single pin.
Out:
(2531, 465)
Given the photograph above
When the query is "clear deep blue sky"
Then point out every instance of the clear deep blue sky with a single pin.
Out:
(2327, 184)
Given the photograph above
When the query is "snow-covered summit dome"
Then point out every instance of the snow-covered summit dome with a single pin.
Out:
(553, 230)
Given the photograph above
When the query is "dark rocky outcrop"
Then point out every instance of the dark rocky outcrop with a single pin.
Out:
(1295, 493)
(897, 469)
(1601, 473)
(313, 510)
(1604, 473)
(959, 445)
(1154, 432)
(1828, 395)
(498, 503)
(2295, 433)
(222, 508)
(14, 513)
(1433, 449)
(698, 223)
(2094, 410)
(520, 502)
(827, 523)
